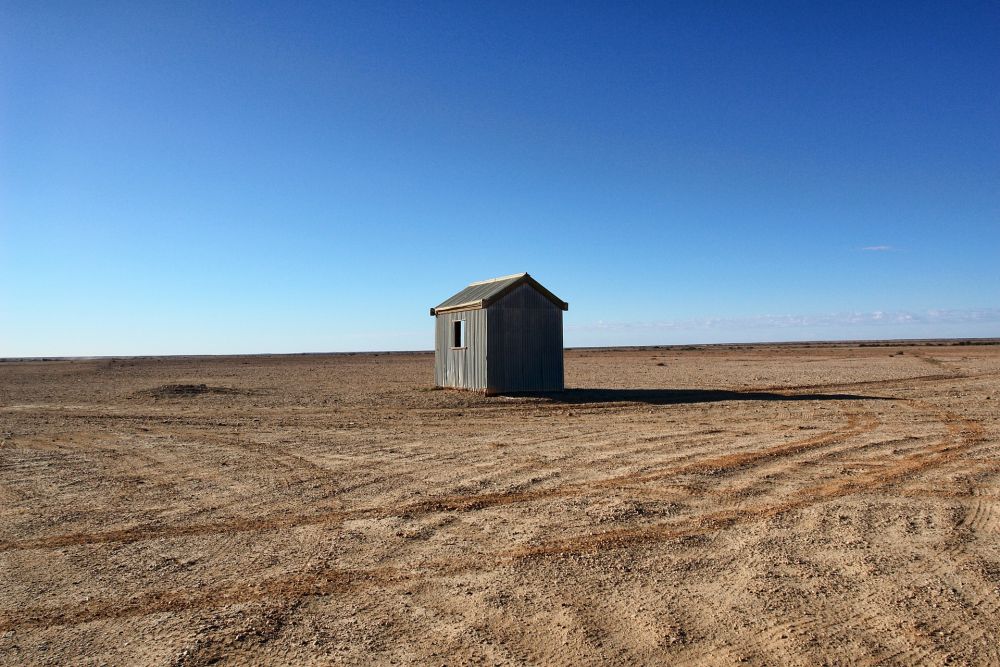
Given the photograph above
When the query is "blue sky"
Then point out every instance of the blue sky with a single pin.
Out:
(270, 177)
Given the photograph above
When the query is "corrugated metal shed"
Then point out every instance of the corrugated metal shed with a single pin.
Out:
(500, 335)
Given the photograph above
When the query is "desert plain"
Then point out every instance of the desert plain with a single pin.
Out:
(763, 505)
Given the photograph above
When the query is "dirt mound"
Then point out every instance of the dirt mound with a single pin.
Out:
(186, 390)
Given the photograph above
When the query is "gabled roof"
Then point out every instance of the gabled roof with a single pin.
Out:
(485, 292)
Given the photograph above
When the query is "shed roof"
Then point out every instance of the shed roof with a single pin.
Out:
(483, 293)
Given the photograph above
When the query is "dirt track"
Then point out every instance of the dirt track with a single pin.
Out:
(775, 505)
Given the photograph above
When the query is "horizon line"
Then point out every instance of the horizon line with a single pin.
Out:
(852, 341)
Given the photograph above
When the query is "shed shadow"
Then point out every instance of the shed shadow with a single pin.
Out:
(681, 396)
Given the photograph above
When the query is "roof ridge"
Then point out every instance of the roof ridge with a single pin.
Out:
(485, 292)
(494, 280)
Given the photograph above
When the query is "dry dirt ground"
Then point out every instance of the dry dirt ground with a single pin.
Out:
(761, 505)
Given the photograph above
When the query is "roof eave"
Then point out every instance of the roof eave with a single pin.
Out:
(471, 305)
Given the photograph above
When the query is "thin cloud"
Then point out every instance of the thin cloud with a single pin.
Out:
(874, 318)
(878, 248)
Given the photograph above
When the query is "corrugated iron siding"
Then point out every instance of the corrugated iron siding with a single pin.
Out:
(525, 340)
(463, 368)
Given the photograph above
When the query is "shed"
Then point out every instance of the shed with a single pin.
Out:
(500, 335)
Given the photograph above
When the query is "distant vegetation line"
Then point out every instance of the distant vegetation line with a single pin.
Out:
(904, 342)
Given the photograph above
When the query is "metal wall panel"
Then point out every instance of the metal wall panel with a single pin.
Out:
(464, 368)
(525, 340)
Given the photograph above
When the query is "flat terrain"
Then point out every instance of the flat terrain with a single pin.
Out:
(724, 505)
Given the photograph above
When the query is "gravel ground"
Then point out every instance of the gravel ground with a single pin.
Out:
(812, 504)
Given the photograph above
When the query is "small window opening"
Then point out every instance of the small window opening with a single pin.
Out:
(458, 333)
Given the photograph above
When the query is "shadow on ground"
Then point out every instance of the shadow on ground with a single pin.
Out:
(677, 396)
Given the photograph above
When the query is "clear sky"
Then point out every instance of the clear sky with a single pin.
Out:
(216, 177)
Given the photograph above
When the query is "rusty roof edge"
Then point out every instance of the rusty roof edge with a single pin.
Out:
(471, 305)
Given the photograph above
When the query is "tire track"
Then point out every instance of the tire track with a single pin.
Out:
(154, 532)
(856, 424)
(331, 580)
(952, 561)
(946, 450)
(922, 379)
(962, 436)
(790, 469)
(287, 587)
(726, 463)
